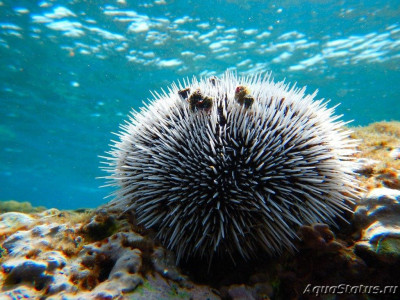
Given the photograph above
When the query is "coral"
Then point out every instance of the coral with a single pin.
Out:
(231, 166)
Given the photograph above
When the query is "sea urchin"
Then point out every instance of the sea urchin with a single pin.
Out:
(232, 165)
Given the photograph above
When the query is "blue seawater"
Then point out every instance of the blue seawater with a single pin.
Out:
(72, 70)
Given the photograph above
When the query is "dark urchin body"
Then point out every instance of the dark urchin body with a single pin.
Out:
(232, 166)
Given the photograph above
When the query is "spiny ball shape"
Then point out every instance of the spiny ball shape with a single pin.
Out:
(232, 165)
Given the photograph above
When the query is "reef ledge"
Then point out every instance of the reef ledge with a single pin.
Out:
(103, 254)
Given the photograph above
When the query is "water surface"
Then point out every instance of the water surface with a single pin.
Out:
(72, 70)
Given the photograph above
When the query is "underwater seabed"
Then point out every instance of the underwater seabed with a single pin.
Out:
(98, 254)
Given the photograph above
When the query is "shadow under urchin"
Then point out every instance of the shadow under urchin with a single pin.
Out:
(230, 167)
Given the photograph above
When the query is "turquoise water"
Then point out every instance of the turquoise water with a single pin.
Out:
(72, 70)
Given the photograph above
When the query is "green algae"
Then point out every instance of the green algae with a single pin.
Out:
(3, 253)
(16, 206)
(389, 247)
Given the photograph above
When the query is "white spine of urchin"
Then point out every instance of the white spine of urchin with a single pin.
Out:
(232, 165)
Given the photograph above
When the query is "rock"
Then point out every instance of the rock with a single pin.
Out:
(26, 270)
(164, 263)
(390, 178)
(321, 257)
(378, 218)
(388, 248)
(395, 153)
(319, 237)
(63, 255)
(13, 220)
(379, 204)
(365, 166)
(240, 292)
(103, 254)
(258, 288)
(101, 225)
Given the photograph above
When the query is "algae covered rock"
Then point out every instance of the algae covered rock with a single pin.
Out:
(11, 221)
(378, 218)
(104, 254)
(70, 255)
(16, 206)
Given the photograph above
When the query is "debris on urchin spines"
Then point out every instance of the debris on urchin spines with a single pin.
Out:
(232, 165)
(198, 101)
(243, 96)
